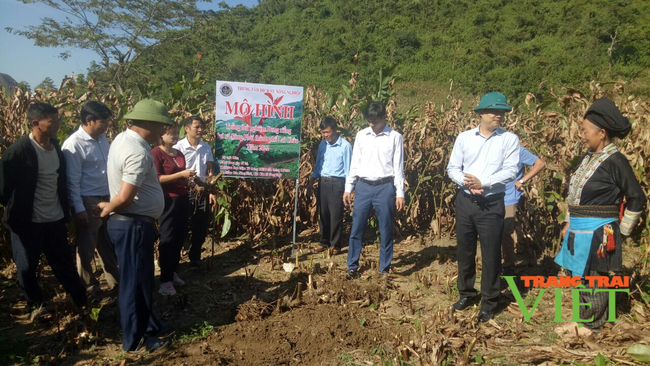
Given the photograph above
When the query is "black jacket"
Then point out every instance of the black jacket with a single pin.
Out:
(18, 176)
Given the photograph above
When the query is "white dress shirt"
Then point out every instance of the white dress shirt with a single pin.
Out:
(196, 158)
(130, 161)
(494, 160)
(377, 156)
(86, 167)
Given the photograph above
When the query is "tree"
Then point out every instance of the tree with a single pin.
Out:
(46, 84)
(515, 47)
(81, 79)
(24, 86)
(119, 31)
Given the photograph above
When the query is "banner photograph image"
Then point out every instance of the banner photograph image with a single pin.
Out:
(345, 183)
(259, 126)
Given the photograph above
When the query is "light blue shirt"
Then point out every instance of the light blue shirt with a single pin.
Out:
(333, 160)
(86, 160)
(494, 160)
(525, 158)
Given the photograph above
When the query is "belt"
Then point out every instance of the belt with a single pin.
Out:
(325, 179)
(478, 198)
(131, 218)
(377, 182)
(104, 198)
(604, 211)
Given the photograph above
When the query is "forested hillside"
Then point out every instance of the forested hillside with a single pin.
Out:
(512, 46)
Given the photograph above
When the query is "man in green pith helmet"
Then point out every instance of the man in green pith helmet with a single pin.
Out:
(483, 160)
(136, 202)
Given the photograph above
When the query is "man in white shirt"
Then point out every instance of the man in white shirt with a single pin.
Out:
(198, 157)
(377, 176)
(136, 202)
(483, 160)
(86, 154)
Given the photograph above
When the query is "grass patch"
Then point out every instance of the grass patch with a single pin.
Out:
(347, 359)
(197, 333)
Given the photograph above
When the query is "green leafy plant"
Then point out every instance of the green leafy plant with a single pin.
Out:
(600, 360)
(197, 333)
(94, 313)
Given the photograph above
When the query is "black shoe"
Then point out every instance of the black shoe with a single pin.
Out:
(485, 316)
(352, 274)
(464, 303)
(151, 344)
(166, 329)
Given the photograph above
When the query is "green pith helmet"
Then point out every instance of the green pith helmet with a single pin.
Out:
(493, 100)
(149, 110)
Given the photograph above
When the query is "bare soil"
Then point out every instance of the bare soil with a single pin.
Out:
(242, 308)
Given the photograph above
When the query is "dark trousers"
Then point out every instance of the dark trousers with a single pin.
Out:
(94, 236)
(133, 243)
(599, 302)
(382, 199)
(330, 204)
(50, 239)
(199, 221)
(172, 225)
(483, 218)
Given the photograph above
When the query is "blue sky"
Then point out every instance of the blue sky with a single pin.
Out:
(24, 61)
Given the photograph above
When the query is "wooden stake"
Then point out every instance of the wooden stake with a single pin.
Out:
(299, 295)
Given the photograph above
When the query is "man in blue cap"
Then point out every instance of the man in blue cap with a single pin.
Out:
(483, 160)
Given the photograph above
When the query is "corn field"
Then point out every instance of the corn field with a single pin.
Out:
(263, 209)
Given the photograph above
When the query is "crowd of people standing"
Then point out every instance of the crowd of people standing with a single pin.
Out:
(125, 195)
(487, 165)
(121, 196)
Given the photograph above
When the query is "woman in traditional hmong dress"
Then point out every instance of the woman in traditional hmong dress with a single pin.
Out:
(592, 234)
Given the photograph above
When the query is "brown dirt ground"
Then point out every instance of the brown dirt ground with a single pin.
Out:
(242, 308)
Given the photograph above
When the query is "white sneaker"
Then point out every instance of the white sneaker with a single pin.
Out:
(167, 289)
(177, 280)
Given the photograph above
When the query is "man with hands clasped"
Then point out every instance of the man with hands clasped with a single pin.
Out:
(136, 202)
(482, 161)
(199, 158)
(86, 154)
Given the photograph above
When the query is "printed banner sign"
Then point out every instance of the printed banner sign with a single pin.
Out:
(259, 126)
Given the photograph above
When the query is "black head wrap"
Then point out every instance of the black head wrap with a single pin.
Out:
(604, 114)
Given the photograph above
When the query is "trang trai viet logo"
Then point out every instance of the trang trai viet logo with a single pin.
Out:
(575, 285)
